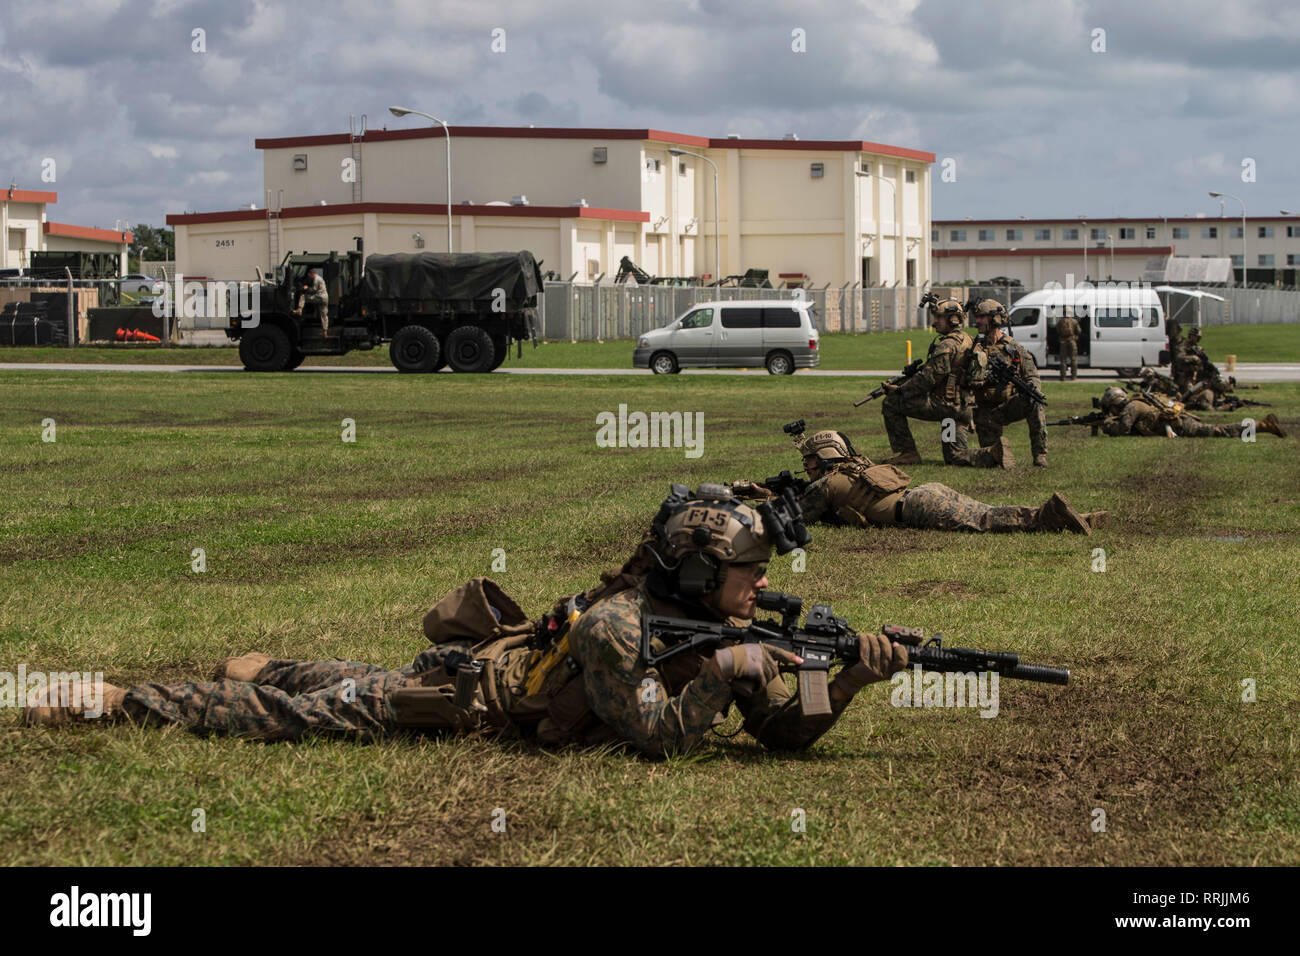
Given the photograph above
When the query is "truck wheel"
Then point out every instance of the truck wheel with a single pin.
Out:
(780, 363)
(414, 349)
(296, 358)
(469, 349)
(664, 363)
(264, 349)
(500, 348)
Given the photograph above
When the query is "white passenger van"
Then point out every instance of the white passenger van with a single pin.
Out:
(780, 334)
(1122, 328)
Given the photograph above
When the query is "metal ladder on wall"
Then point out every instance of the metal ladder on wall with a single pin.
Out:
(273, 232)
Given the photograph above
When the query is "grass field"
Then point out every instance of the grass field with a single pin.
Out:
(317, 548)
(879, 350)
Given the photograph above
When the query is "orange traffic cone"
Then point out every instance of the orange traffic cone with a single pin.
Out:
(145, 337)
(121, 335)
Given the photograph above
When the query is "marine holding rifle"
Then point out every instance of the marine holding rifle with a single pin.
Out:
(1004, 382)
(1153, 414)
(933, 392)
(586, 679)
(847, 489)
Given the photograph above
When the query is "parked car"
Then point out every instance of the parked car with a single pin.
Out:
(140, 283)
(780, 334)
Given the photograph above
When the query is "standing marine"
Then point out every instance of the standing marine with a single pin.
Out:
(1067, 332)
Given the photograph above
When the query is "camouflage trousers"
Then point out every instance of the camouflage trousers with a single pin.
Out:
(989, 420)
(897, 409)
(1069, 354)
(1186, 428)
(937, 506)
(288, 700)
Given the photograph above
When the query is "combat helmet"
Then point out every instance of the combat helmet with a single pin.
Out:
(697, 533)
(828, 446)
(948, 308)
(1194, 332)
(993, 310)
(1113, 397)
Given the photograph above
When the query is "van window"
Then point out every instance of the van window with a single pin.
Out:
(734, 318)
(699, 319)
(1023, 317)
(1150, 317)
(1121, 318)
(782, 318)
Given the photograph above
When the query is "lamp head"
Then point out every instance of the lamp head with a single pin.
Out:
(398, 110)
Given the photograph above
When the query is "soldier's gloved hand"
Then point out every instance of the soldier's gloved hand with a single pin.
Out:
(752, 662)
(878, 658)
(891, 387)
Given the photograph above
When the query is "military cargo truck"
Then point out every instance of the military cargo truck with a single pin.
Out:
(434, 310)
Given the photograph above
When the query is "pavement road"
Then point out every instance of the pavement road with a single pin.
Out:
(1246, 373)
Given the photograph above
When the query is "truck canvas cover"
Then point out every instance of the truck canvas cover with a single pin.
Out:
(467, 277)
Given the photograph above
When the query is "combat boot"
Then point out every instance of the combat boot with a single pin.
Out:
(1040, 461)
(912, 457)
(1057, 515)
(46, 707)
(1270, 425)
(245, 668)
(1097, 519)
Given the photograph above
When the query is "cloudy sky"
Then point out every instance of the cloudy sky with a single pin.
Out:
(1049, 108)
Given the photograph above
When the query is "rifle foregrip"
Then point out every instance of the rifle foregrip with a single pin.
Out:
(1043, 673)
(814, 694)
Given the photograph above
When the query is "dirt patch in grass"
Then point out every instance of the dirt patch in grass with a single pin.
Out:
(954, 590)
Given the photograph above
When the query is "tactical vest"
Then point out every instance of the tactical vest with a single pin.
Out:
(857, 489)
(949, 388)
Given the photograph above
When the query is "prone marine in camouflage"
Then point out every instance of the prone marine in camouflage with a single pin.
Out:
(707, 560)
(845, 488)
(934, 393)
(999, 405)
(1139, 416)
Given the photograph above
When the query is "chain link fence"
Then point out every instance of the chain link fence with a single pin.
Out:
(580, 312)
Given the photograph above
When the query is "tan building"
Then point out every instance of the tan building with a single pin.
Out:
(1037, 251)
(581, 199)
(26, 230)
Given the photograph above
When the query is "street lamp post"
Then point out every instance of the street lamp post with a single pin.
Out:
(1244, 266)
(893, 196)
(1111, 240)
(402, 111)
(717, 222)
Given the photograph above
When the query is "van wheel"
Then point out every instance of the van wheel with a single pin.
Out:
(469, 349)
(1129, 372)
(780, 363)
(414, 349)
(264, 349)
(664, 363)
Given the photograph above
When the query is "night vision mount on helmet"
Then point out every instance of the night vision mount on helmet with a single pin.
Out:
(696, 534)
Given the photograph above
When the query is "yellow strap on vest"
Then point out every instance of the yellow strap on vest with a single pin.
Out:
(548, 661)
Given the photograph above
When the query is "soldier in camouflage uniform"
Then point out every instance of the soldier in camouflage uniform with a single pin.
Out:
(1185, 364)
(1137, 416)
(934, 393)
(707, 559)
(846, 489)
(1068, 331)
(996, 406)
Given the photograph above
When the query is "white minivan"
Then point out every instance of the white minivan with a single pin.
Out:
(780, 334)
(1122, 328)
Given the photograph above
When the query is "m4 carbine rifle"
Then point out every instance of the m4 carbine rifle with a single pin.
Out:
(909, 370)
(1004, 372)
(1093, 418)
(824, 639)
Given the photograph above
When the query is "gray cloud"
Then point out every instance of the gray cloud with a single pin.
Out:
(141, 125)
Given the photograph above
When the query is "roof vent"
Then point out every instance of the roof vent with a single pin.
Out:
(519, 200)
(791, 137)
(577, 202)
(733, 136)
